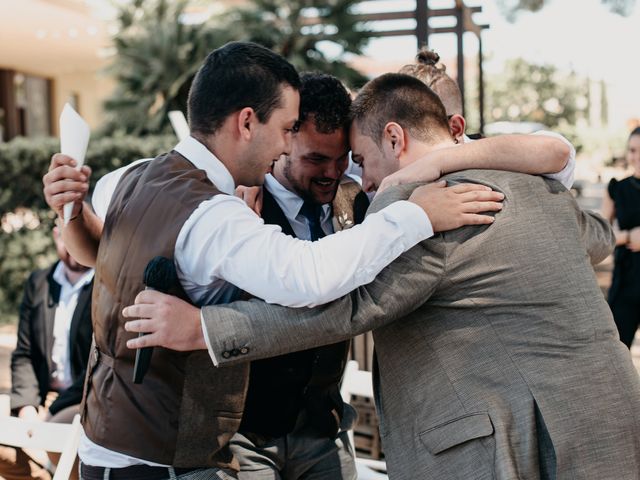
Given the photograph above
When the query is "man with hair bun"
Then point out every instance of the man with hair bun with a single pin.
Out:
(533, 151)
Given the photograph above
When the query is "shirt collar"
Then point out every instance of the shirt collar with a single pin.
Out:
(60, 277)
(290, 202)
(202, 158)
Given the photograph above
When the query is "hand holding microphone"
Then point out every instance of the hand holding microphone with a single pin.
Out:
(160, 274)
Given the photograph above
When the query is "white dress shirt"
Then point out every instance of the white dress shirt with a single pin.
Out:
(224, 243)
(60, 353)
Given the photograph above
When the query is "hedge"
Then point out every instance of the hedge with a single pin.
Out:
(25, 231)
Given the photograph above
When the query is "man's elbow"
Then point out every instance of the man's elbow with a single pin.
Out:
(561, 152)
(604, 248)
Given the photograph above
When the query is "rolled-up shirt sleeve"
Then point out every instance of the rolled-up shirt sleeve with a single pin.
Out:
(565, 176)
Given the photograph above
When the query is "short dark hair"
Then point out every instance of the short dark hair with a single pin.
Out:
(235, 76)
(635, 131)
(326, 99)
(395, 97)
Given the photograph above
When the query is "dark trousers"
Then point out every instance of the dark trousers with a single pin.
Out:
(626, 313)
(302, 454)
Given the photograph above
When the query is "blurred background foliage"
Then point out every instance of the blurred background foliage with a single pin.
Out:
(26, 220)
(157, 56)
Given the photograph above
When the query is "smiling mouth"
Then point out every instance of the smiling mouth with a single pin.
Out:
(325, 184)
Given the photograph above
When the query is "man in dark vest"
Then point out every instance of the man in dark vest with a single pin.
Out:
(243, 107)
(294, 422)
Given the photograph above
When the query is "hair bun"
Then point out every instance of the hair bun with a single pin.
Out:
(427, 57)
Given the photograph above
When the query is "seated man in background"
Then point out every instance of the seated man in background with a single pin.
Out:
(50, 360)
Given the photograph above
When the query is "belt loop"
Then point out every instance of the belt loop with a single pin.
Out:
(107, 472)
(172, 473)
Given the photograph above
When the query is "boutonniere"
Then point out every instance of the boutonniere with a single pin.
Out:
(343, 217)
(345, 221)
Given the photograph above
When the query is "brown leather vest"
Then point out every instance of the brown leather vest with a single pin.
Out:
(186, 410)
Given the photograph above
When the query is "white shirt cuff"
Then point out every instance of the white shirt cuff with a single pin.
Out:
(207, 341)
(415, 221)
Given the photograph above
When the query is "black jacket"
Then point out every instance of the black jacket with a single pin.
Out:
(31, 364)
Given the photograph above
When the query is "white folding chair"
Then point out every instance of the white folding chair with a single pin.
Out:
(360, 383)
(60, 438)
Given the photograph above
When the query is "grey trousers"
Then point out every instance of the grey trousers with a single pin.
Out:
(301, 455)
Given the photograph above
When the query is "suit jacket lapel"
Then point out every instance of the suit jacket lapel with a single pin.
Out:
(53, 297)
(273, 214)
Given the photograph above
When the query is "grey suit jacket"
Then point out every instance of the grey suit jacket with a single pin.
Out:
(497, 353)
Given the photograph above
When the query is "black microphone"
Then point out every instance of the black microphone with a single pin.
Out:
(160, 274)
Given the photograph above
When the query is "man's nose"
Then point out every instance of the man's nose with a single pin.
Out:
(288, 141)
(368, 185)
(333, 170)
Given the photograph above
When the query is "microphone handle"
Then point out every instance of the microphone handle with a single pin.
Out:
(143, 358)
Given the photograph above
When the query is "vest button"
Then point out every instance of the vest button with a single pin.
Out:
(235, 352)
(226, 354)
(244, 350)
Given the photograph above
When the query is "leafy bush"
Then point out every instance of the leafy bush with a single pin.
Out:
(26, 220)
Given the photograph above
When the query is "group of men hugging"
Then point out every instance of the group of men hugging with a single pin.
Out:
(496, 355)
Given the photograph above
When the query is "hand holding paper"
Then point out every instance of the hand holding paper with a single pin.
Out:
(74, 139)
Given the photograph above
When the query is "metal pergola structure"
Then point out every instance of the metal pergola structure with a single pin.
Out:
(464, 22)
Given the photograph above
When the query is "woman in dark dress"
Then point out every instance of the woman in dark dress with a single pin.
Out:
(622, 205)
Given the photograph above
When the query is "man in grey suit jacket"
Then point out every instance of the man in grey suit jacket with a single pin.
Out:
(497, 356)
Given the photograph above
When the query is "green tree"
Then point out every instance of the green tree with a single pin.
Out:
(536, 93)
(297, 30)
(158, 52)
(511, 8)
(157, 56)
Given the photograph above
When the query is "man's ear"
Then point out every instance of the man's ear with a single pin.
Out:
(393, 137)
(457, 125)
(245, 122)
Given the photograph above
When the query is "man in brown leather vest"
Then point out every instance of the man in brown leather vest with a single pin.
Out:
(179, 420)
(243, 106)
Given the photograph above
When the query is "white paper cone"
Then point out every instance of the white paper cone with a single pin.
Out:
(74, 139)
(179, 124)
